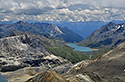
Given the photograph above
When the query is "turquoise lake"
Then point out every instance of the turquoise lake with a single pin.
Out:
(79, 48)
(3, 79)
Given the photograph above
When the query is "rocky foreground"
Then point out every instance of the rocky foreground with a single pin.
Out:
(27, 51)
(108, 68)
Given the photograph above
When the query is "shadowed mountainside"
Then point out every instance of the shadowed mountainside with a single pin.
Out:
(107, 36)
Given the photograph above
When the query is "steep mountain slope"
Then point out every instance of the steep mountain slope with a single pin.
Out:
(84, 29)
(107, 68)
(25, 50)
(109, 36)
(48, 30)
(69, 36)
(110, 67)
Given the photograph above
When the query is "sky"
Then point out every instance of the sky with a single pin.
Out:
(62, 10)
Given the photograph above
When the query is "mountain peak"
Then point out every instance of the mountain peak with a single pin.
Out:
(20, 22)
(111, 23)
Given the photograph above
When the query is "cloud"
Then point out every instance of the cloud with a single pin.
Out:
(58, 9)
(36, 7)
(31, 7)
(33, 11)
(5, 11)
(106, 3)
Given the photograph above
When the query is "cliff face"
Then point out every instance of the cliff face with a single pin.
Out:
(25, 50)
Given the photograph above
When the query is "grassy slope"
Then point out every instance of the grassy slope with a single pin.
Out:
(66, 52)
(60, 49)
(100, 52)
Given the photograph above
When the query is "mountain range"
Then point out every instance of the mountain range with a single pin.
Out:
(45, 29)
(107, 68)
(84, 29)
(107, 36)
(46, 58)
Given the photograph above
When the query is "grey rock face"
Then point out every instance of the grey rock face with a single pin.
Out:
(25, 50)
(111, 65)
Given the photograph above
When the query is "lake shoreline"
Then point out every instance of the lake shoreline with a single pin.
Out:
(79, 48)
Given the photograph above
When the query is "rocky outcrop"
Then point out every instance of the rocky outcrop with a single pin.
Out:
(25, 50)
(27, 73)
(23, 74)
(107, 36)
(48, 76)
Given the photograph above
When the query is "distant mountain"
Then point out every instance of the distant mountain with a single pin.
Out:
(118, 22)
(69, 35)
(84, 29)
(6, 22)
(109, 36)
(45, 29)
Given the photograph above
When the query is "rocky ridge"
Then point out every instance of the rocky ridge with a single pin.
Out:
(45, 29)
(107, 36)
(25, 50)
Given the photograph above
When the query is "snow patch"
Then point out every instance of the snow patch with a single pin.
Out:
(122, 25)
(118, 27)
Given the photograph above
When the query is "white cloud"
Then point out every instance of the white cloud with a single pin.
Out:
(57, 9)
